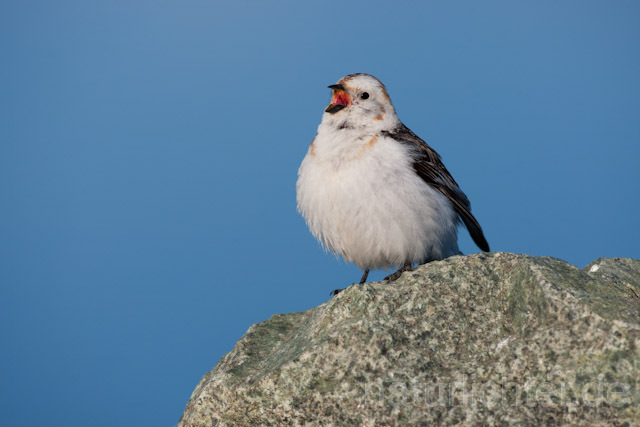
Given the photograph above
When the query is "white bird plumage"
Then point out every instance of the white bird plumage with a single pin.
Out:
(360, 189)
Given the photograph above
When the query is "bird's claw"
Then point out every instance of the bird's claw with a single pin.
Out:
(397, 274)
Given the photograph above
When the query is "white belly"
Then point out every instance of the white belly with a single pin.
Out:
(373, 210)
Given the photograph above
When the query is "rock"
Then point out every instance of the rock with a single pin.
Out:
(482, 339)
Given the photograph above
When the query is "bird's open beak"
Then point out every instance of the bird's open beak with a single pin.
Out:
(339, 100)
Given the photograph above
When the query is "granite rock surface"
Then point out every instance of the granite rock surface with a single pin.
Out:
(494, 338)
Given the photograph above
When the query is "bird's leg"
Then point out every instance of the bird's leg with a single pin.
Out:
(362, 280)
(394, 276)
(364, 276)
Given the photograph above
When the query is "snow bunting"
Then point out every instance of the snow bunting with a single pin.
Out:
(373, 192)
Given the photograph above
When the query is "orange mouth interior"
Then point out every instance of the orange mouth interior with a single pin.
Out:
(340, 97)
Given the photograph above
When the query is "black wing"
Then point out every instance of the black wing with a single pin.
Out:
(430, 168)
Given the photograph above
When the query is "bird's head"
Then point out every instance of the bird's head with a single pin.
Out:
(360, 101)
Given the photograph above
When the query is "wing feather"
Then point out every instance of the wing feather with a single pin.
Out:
(430, 168)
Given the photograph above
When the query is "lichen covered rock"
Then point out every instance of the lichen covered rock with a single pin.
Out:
(480, 339)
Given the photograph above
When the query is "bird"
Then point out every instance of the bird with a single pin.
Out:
(373, 192)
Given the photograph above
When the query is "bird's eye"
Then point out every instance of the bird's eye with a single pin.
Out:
(364, 95)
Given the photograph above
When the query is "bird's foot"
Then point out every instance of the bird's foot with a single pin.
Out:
(362, 280)
(397, 274)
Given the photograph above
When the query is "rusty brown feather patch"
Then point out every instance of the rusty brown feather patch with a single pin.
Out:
(312, 148)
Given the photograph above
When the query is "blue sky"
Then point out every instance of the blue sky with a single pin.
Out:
(149, 151)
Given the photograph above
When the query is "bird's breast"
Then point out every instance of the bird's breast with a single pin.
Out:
(365, 202)
(343, 147)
